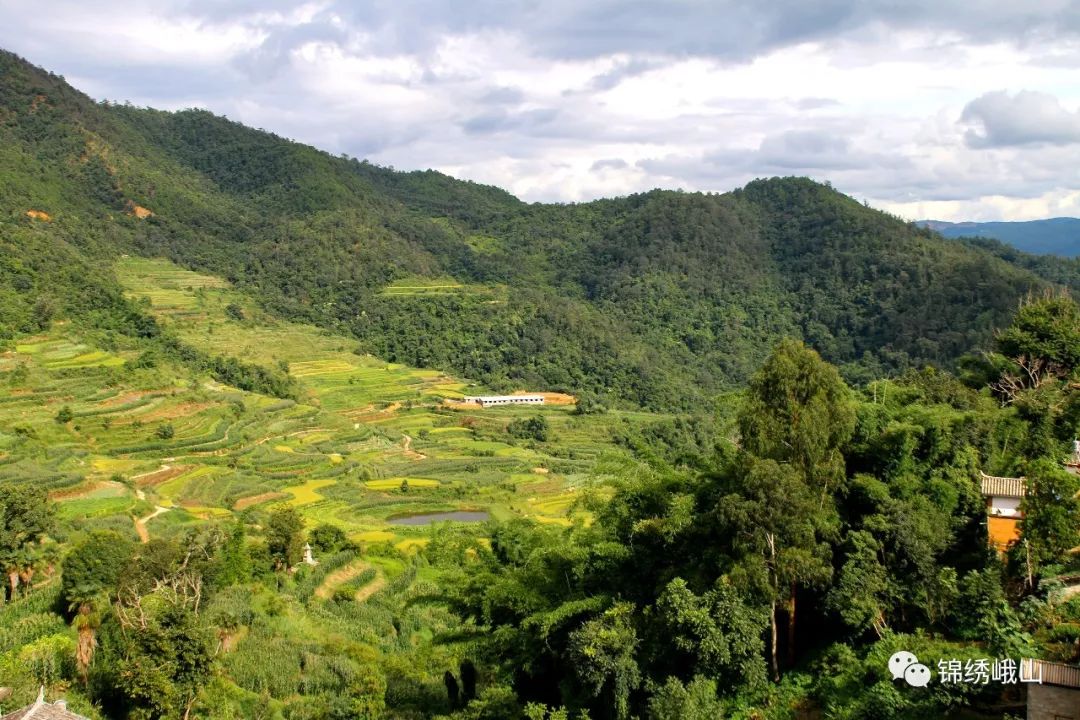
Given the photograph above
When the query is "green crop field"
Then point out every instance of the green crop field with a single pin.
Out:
(361, 427)
(156, 450)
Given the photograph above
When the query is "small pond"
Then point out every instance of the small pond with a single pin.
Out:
(428, 518)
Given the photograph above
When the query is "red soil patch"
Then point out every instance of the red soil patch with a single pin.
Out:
(246, 502)
(552, 398)
(370, 589)
(406, 445)
(339, 577)
(83, 488)
(140, 530)
(460, 405)
(159, 476)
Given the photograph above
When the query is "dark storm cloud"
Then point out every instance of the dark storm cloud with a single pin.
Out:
(1026, 118)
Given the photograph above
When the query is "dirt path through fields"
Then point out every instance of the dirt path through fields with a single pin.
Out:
(140, 523)
(406, 446)
(371, 588)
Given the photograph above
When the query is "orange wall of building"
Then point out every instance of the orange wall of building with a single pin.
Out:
(1002, 531)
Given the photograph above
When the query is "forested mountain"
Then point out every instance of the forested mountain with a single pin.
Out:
(655, 299)
(1053, 236)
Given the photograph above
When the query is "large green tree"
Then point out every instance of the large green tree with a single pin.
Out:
(25, 519)
(284, 537)
(795, 420)
(799, 411)
(603, 654)
(771, 518)
(717, 634)
(1043, 340)
(1051, 524)
(91, 572)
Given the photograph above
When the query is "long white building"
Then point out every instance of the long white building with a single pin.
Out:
(489, 400)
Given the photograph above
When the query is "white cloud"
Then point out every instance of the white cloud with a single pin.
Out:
(905, 107)
(1026, 118)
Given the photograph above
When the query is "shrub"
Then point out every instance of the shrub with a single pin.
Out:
(534, 428)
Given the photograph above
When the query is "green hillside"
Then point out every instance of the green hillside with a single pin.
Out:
(218, 346)
(128, 438)
(657, 299)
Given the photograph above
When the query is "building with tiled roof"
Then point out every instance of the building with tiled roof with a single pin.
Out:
(1003, 496)
(41, 710)
(1053, 690)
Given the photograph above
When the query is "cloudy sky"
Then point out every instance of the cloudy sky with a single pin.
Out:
(951, 109)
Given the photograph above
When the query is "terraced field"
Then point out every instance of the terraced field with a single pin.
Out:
(365, 441)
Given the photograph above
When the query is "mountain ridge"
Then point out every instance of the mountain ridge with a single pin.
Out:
(1049, 236)
(659, 299)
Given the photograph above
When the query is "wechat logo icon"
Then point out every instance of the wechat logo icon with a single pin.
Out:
(905, 665)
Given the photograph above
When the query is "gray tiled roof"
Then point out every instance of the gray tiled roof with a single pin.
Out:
(42, 710)
(1003, 486)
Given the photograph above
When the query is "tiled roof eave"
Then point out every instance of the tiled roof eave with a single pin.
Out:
(995, 486)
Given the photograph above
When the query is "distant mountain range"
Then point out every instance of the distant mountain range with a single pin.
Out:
(1054, 236)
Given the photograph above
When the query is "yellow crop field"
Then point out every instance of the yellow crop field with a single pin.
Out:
(412, 544)
(308, 492)
(395, 483)
(374, 536)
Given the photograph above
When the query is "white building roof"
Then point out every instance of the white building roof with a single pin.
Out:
(505, 398)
